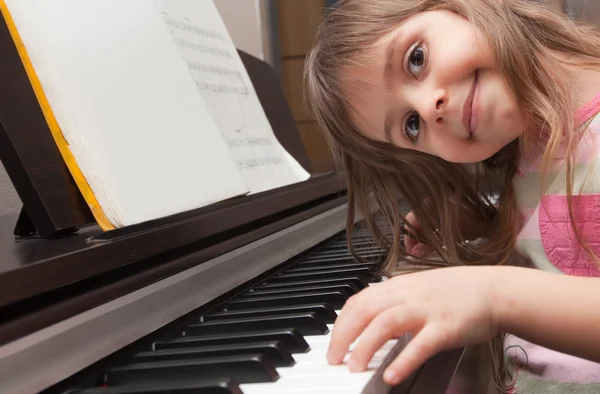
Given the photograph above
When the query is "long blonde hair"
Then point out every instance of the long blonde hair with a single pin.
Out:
(520, 32)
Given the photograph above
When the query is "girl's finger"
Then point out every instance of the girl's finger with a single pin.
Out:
(356, 314)
(422, 250)
(409, 240)
(426, 344)
(349, 324)
(390, 323)
(409, 243)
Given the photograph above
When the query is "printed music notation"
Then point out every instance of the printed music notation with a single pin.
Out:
(202, 48)
(209, 68)
(187, 26)
(262, 161)
(217, 76)
(228, 93)
(221, 88)
(246, 142)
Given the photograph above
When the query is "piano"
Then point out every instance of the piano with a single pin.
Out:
(238, 297)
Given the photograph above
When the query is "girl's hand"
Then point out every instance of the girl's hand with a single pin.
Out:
(413, 247)
(443, 308)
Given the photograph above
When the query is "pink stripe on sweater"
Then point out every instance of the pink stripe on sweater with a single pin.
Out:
(588, 110)
(558, 236)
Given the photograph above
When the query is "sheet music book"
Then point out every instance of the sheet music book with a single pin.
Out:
(149, 103)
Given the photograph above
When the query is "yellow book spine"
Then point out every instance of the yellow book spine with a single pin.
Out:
(57, 134)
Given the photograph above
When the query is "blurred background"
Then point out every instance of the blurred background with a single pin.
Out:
(281, 33)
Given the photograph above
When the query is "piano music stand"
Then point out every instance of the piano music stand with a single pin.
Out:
(52, 204)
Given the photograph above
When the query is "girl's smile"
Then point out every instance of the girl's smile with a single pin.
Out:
(471, 108)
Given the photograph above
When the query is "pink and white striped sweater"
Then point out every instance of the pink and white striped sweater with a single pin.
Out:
(548, 239)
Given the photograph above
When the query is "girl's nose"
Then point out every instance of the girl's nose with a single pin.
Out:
(434, 107)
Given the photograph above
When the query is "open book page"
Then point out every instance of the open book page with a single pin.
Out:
(127, 107)
(221, 78)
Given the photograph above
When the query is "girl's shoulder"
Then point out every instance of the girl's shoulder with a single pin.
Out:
(547, 235)
(589, 111)
(588, 149)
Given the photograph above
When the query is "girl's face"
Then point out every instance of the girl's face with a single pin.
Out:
(434, 86)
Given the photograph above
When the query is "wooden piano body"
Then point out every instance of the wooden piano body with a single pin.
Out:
(76, 302)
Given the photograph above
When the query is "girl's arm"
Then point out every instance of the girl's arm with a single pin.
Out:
(556, 311)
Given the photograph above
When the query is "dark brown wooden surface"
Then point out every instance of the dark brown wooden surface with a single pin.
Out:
(437, 375)
(58, 268)
(457, 371)
(276, 108)
(33, 266)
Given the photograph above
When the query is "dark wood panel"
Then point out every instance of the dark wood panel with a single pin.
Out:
(273, 101)
(298, 24)
(31, 267)
(293, 86)
(438, 374)
(316, 147)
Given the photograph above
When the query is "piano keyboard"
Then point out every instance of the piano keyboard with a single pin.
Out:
(271, 338)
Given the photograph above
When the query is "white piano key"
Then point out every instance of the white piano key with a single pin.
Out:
(316, 363)
(324, 384)
(312, 373)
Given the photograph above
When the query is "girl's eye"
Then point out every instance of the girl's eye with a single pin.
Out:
(416, 59)
(412, 127)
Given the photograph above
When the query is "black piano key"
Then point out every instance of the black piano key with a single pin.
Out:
(348, 288)
(274, 350)
(340, 259)
(370, 266)
(356, 242)
(293, 341)
(326, 262)
(343, 246)
(362, 272)
(337, 250)
(334, 298)
(251, 368)
(346, 270)
(305, 323)
(359, 248)
(344, 253)
(356, 281)
(208, 387)
(326, 254)
(326, 312)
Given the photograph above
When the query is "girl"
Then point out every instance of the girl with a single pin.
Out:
(439, 103)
